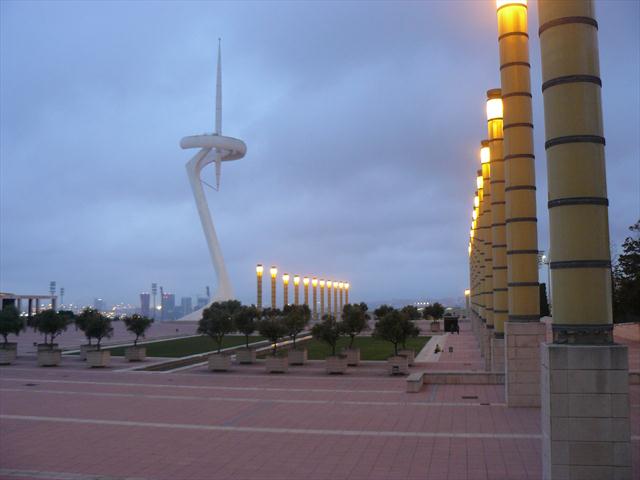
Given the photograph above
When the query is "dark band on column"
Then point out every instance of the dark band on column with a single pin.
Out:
(571, 79)
(523, 284)
(520, 155)
(519, 187)
(501, 311)
(581, 264)
(563, 202)
(515, 64)
(522, 252)
(521, 219)
(517, 94)
(495, 139)
(574, 139)
(524, 318)
(598, 334)
(498, 203)
(500, 268)
(501, 290)
(567, 21)
(496, 181)
(498, 246)
(509, 34)
(521, 124)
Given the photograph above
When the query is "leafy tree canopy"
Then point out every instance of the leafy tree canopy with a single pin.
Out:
(273, 329)
(382, 310)
(138, 325)
(329, 330)
(395, 328)
(10, 322)
(626, 278)
(354, 320)
(411, 311)
(296, 318)
(217, 320)
(49, 323)
(99, 327)
(245, 320)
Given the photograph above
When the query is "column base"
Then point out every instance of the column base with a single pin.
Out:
(522, 363)
(585, 412)
(486, 341)
(497, 354)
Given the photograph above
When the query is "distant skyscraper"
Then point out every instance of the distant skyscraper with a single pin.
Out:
(187, 305)
(99, 304)
(145, 299)
(202, 302)
(168, 306)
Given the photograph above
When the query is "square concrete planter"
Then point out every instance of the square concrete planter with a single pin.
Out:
(398, 365)
(276, 364)
(435, 326)
(49, 358)
(246, 356)
(219, 362)
(353, 356)
(298, 356)
(98, 358)
(410, 354)
(337, 364)
(47, 346)
(86, 348)
(8, 353)
(135, 354)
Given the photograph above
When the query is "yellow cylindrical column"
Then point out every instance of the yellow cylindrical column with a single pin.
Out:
(305, 285)
(285, 290)
(296, 289)
(259, 271)
(488, 240)
(578, 205)
(480, 238)
(341, 287)
(498, 228)
(335, 299)
(346, 292)
(520, 183)
(321, 298)
(314, 289)
(329, 283)
(274, 272)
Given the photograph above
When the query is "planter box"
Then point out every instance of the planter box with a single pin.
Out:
(398, 365)
(276, 364)
(86, 348)
(435, 326)
(47, 346)
(8, 353)
(246, 356)
(298, 357)
(410, 354)
(353, 356)
(135, 354)
(219, 362)
(98, 358)
(337, 364)
(49, 357)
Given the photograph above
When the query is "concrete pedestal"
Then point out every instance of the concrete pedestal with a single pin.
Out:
(585, 412)
(522, 368)
(486, 340)
(497, 354)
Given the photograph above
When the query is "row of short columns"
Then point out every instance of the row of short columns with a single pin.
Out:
(580, 379)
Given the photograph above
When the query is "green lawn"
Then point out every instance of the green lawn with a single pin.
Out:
(182, 347)
(370, 348)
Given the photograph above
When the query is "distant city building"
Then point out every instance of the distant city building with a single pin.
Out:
(99, 304)
(168, 306)
(201, 303)
(187, 305)
(145, 300)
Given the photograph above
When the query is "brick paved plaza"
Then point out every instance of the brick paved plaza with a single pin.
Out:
(77, 424)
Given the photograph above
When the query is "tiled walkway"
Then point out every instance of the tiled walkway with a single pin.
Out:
(72, 423)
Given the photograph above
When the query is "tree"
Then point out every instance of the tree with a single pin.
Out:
(626, 279)
(328, 331)
(544, 302)
(382, 310)
(10, 322)
(354, 320)
(409, 329)
(395, 328)
(83, 320)
(296, 318)
(217, 321)
(138, 325)
(411, 312)
(273, 329)
(245, 321)
(434, 311)
(49, 323)
(99, 327)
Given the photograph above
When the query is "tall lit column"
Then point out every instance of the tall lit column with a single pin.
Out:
(479, 219)
(335, 299)
(296, 289)
(285, 290)
(329, 284)
(305, 285)
(259, 270)
(580, 259)
(341, 288)
(488, 239)
(274, 272)
(314, 289)
(523, 332)
(321, 298)
(346, 292)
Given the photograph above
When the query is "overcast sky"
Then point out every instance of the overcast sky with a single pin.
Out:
(362, 122)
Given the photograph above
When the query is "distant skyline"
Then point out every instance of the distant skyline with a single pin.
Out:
(362, 120)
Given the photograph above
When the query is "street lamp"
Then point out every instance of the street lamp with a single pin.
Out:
(285, 281)
(273, 271)
(296, 289)
(259, 270)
